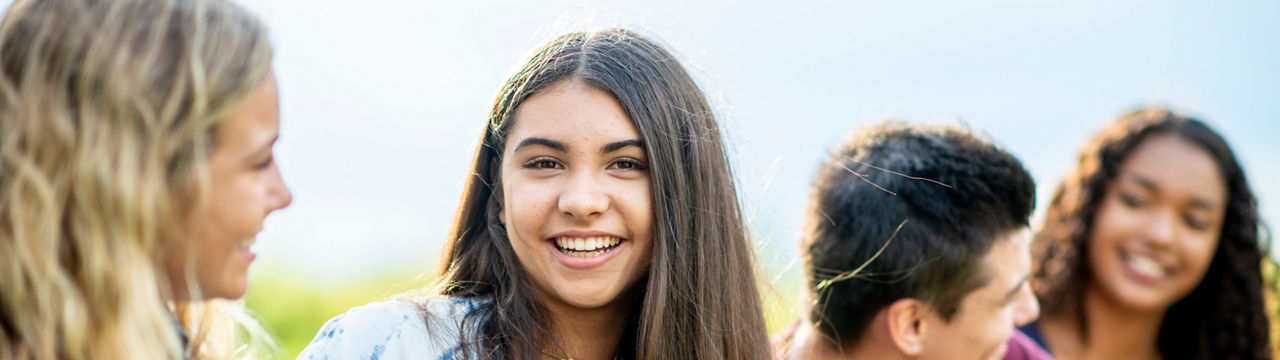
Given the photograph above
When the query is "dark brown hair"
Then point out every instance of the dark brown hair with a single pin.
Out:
(699, 300)
(1225, 316)
(920, 206)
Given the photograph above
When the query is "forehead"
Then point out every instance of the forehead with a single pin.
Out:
(257, 116)
(572, 111)
(1176, 167)
(1006, 265)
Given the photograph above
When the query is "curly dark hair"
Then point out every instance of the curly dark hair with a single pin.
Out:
(1225, 316)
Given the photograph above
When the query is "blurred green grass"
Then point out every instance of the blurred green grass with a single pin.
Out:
(293, 309)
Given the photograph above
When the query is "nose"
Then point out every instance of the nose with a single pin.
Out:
(1027, 308)
(278, 194)
(1160, 227)
(583, 198)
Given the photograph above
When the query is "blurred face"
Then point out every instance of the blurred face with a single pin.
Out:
(987, 316)
(576, 203)
(245, 186)
(1157, 226)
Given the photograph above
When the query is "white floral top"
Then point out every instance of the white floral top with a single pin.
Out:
(394, 330)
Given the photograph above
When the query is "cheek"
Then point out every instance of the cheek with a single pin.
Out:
(526, 207)
(238, 208)
(1198, 252)
(1110, 228)
(637, 207)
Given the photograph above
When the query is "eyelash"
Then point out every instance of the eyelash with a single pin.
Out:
(1195, 223)
(265, 164)
(535, 162)
(634, 164)
(1132, 200)
(549, 163)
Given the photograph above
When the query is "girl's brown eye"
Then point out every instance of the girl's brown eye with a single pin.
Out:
(1196, 223)
(542, 163)
(1132, 201)
(628, 164)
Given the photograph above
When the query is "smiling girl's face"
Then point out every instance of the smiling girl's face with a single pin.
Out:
(245, 187)
(575, 195)
(1158, 225)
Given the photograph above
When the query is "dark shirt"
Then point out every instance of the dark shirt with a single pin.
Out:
(1027, 343)
(1032, 331)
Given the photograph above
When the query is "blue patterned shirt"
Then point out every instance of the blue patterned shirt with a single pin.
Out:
(395, 330)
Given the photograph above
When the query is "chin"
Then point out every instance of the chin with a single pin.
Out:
(588, 299)
(1138, 298)
(231, 287)
(585, 296)
(232, 291)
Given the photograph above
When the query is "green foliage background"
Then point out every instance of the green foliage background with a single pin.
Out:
(293, 309)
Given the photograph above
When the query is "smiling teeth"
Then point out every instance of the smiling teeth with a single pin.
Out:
(588, 246)
(1146, 266)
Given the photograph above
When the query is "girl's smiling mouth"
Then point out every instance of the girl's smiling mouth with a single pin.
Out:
(586, 247)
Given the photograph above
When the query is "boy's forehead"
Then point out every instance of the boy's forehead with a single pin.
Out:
(1007, 263)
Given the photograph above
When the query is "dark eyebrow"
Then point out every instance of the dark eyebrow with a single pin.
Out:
(1143, 181)
(615, 146)
(554, 145)
(1201, 203)
(1013, 292)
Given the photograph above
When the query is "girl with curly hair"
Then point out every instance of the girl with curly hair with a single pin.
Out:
(1152, 248)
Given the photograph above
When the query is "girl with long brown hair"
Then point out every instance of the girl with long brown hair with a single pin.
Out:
(1152, 248)
(599, 221)
(135, 170)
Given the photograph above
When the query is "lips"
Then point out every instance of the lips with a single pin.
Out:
(587, 246)
(1145, 267)
(245, 249)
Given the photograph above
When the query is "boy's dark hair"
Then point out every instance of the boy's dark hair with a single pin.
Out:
(917, 207)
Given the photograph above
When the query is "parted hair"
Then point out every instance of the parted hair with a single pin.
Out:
(699, 299)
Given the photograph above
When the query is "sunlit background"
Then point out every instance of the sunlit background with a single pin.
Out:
(383, 103)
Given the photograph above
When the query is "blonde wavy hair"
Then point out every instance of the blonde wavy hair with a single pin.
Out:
(108, 110)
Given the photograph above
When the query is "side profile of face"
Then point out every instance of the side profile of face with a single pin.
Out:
(1157, 226)
(244, 187)
(575, 196)
(987, 316)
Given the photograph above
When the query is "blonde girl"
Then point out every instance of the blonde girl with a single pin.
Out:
(135, 169)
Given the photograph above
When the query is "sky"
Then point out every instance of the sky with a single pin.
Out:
(383, 101)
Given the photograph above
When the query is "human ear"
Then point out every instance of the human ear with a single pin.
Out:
(906, 325)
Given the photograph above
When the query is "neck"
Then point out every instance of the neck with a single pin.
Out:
(585, 334)
(1112, 331)
(808, 344)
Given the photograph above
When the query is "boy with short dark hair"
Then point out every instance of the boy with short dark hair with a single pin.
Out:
(916, 246)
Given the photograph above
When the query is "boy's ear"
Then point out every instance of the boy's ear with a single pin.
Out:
(907, 326)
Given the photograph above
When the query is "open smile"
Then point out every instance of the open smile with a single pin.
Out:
(586, 247)
(1144, 268)
(585, 250)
